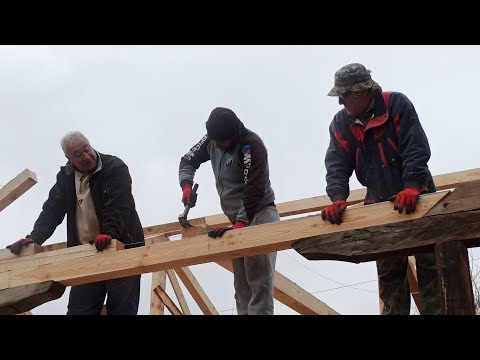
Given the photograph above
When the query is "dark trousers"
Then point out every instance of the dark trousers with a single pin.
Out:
(395, 291)
(122, 294)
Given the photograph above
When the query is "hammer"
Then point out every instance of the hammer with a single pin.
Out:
(182, 218)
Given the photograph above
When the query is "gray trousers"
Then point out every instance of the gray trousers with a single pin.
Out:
(253, 276)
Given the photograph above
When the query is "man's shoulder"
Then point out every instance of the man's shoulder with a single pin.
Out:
(396, 96)
(250, 137)
(108, 160)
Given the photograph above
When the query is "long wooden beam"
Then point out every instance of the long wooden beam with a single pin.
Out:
(33, 255)
(456, 217)
(16, 187)
(248, 241)
(302, 206)
(25, 298)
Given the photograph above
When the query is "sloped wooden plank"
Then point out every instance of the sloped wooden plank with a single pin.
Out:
(196, 291)
(178, 292)
(413, 281)
(16, 187)
(246, 241)
(24, 260)
(169, 304)
(465, 197)
(317, 203)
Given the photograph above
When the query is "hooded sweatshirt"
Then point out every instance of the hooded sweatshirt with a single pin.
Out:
(241, 172)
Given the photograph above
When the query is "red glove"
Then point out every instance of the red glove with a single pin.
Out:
(16, 247)
(406, 198)
(188, 198)
(334, 212)
(101, 241)
(220, 231)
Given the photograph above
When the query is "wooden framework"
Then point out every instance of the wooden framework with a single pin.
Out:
(357, 240)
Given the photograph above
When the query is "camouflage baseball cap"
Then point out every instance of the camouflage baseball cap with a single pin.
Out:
(348, 76)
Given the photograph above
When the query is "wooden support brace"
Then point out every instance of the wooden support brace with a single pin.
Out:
(16, 188)
(169, 304)
(178, 292)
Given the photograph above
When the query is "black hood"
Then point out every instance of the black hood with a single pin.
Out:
(223, 124)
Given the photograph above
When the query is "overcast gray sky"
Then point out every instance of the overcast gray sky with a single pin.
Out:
(148, 105)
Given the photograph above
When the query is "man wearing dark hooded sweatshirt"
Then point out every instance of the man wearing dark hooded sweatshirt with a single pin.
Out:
(240, 165)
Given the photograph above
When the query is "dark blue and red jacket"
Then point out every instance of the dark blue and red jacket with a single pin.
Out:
(387, 155)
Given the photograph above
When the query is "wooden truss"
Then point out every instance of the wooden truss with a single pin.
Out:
(41, 273)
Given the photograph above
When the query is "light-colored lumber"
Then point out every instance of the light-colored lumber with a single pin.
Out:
(285, 290)
(16, 187)
(169, 304)
(413, 282)
(159, 279)
(439, 224)
(194, 288)
(178, 292)
(27, 250)
(246, 241)
(303, 206)
(11, 261)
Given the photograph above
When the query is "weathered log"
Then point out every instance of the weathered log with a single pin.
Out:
(24, 298)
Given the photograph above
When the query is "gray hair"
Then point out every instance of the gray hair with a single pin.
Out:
(68, 137)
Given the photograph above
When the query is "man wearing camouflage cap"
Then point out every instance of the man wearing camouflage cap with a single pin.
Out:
(379, 136)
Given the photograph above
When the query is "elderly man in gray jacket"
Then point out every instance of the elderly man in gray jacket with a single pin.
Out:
(240, 165)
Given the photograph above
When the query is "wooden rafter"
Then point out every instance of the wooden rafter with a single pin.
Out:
(246, 241)
(274, 237)
(413, 281)
(16, 187)
(303, 206)
(194, 288)
(178, 292)
(169, 304)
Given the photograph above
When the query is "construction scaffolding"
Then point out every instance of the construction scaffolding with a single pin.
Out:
(41, 273)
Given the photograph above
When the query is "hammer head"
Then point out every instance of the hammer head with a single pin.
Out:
(182, 218)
